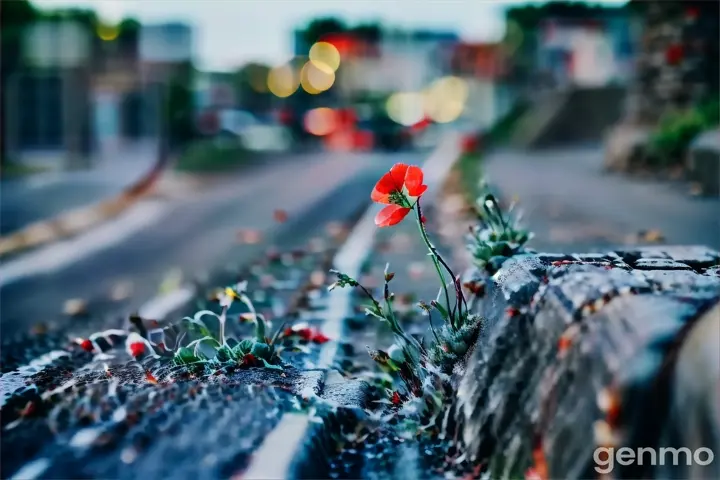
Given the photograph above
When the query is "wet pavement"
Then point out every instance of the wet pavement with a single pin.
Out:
(571, 203)
(221, 226)
(44, 195)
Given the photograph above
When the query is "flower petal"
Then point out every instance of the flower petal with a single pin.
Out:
(398, 173)
(392, 181)
(378, 196)
(413, 181)
(391, 215)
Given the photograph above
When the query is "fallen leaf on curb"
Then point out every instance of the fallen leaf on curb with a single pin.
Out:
(651, 236)
(74, 306)
(696, 189)
(171, 281)
(250, 236)
(121, 291)
(280, 216)
(416, 270)
(336, 230)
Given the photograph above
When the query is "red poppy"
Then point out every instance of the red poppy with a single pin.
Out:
(86, 345)
(399, 189)
(674, 54)
(320, 338)
(136, 349)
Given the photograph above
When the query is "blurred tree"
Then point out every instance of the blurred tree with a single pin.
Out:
(317, 28)
(179, 112)
(250, 83)
(370, 32)
(15, 17)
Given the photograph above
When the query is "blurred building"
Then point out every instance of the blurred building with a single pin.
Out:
(403, 61)
(165, 56)
(587, 52)
(678, 61)
(483, 67)
(567, 44)
(84, 87)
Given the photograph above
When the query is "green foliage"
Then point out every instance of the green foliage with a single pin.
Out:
(179, 108)
(678, 129)
(499, 235)
(213, 155)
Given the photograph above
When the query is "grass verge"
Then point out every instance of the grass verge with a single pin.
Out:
(11, 169)
(214, 156)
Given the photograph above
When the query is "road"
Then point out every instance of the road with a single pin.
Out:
(199, 234)
(572, 204)
(41, 196)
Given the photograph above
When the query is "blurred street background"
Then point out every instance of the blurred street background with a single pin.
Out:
(601, 117)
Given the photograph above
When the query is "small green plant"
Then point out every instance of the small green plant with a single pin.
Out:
(199, 347)
(420, 372)
(499, 235)
(678, 129)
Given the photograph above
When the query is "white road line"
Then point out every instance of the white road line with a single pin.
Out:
(59, 255)
(273, 458)
(161, 306)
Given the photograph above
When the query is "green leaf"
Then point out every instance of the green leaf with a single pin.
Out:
(260, 350)
(225, 354)
(185, 356)
(443, 312)
(271, 366)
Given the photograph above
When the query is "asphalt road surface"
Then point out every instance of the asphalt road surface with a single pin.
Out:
(37, 197)
(199, 234)
(571, 204)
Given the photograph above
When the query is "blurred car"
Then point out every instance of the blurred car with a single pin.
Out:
(388, 134)
(255, 134)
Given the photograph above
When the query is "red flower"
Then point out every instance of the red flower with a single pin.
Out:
(86, 345)
(674, 54)
(320, 338)
(395, 398)
(136, 349)
(399, 189)
(305, 333)
(249, 360)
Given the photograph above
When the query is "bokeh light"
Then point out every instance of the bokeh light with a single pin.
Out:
(445, 99)
(316, 78)
(324, 53)
(257, 77)
(405, 108)
(107, 32)
(282, 81)
(321, 121)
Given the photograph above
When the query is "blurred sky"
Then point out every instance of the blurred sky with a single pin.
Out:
(232, 32)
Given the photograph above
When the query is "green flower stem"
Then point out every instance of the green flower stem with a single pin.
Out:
(434, 256)
(260, 329)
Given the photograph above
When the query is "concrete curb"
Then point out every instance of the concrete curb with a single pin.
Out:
(78, 220)
(291, 433)
(570, 341)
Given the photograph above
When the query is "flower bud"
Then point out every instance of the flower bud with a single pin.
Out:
(396, 354)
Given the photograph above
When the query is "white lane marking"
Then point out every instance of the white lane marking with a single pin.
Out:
(288, 435)
(32, 470)
(272, 459)
(163, 305)
(59, 255)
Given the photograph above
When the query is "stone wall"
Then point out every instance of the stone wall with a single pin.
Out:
(677, 62)
(597, 350)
